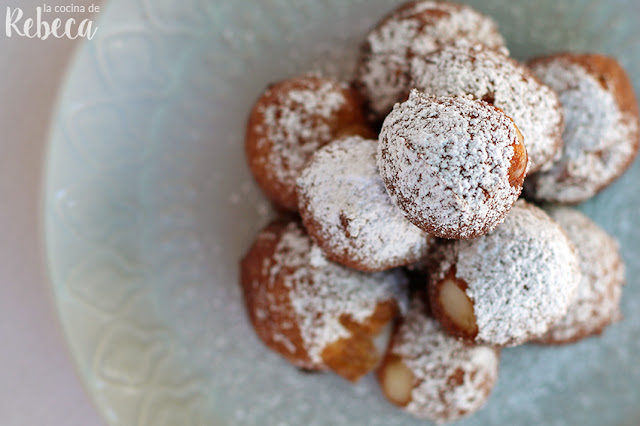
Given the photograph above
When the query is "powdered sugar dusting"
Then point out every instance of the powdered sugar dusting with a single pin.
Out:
(521, 277)
(598, 297)
(342, 194)
(322, 291)
(599, 139)
(445, 161)
(437, 361)
(472, 69)
(416, 30)
(297, 125)
(426, 25)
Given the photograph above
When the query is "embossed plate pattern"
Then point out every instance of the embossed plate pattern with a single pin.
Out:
(149, 206)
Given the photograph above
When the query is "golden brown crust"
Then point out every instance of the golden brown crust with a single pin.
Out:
(614, 79)
(607, 71)
(423, 16)
(356, 355)
(260, 147)
(269, 306)
(519, 162)
(401, 11)
(358, 129)
(275, 320)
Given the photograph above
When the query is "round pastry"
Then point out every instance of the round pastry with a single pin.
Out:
(453, 165)
(317, 314)
(597, 302)
(348, 213)
(435, 376)
(509, 286)
(289, 122)
(602, 131)
(414, 29)
(472, 69)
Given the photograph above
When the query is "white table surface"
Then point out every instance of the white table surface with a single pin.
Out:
(38, 383)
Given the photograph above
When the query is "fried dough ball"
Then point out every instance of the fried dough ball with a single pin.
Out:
(289, 122)
(317, 314)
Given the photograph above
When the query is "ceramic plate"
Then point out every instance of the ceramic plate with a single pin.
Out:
(149, 206)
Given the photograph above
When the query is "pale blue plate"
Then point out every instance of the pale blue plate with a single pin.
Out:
(149, 205)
